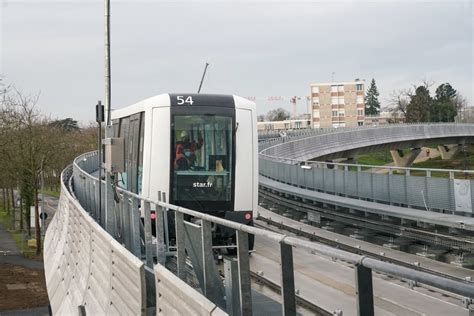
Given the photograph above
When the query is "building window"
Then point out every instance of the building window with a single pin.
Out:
(340, 88)
(316, 101)
(298, 124)
(334, 113)
(333, 88)
(341, 114)
(359, 87)
(341, 100)
(360, 99)
(316, 113)
(315, 89)
(360, 123)
(360, 112)
(334, 100)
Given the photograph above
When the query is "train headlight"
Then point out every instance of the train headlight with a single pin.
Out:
(248, 216)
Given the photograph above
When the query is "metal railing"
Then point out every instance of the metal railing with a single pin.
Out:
(266, 135)
(366, 167)
(195, 227)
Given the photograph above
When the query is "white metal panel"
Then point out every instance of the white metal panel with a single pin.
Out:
(156, 101)
(240, 104)
(87, 266)
(244, 166)
(147, 145)
(175, 297)
(462, 195)
(159, 171)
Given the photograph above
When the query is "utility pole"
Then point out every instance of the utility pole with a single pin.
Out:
(107, 60)
(202, 79)
(109, 202)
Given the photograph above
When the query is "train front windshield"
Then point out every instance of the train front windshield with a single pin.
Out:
(202, 164)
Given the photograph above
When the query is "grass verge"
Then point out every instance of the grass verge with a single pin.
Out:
(17, 235)
(50, 192)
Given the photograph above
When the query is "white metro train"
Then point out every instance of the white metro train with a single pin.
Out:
(200, 149)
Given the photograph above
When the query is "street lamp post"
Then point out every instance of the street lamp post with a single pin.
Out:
(43, 213)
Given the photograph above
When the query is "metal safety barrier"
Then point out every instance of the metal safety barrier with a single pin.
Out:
(193, 241)
(86, 268)
(170, 289)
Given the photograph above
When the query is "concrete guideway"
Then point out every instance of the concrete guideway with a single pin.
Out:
(331, 285)
(361, 245)
(441, 219)
(396, 255)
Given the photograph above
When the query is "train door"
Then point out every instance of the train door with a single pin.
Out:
(129, 130)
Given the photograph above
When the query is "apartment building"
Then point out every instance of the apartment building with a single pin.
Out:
(338, 104)
(283, 125)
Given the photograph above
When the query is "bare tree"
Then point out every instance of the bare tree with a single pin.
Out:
(398, 103)
(31, 144)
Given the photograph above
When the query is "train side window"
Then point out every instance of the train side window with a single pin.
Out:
(124, 131)
(133, 147)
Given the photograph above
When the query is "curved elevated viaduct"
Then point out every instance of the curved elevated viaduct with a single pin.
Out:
(289, 165)
(348, 143)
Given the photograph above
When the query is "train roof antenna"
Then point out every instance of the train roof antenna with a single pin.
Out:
(202, 79)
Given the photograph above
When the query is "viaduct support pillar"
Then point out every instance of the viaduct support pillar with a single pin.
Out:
(404, 160)
(448, 151)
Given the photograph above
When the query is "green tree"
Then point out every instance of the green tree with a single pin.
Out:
(418, 110)
(67, 124)
(445, 105)
(372, 104)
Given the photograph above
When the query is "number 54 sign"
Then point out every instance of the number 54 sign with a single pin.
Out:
(184, 100)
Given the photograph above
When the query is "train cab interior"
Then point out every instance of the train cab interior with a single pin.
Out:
(202, 161)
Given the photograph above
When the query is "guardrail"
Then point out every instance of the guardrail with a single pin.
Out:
(204, 265)
(170, 290)
(264, 135)
(86, 268)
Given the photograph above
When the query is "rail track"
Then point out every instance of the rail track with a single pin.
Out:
(433, 238)
(338, 244)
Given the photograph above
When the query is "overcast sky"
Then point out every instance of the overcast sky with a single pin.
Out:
(255, 49)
